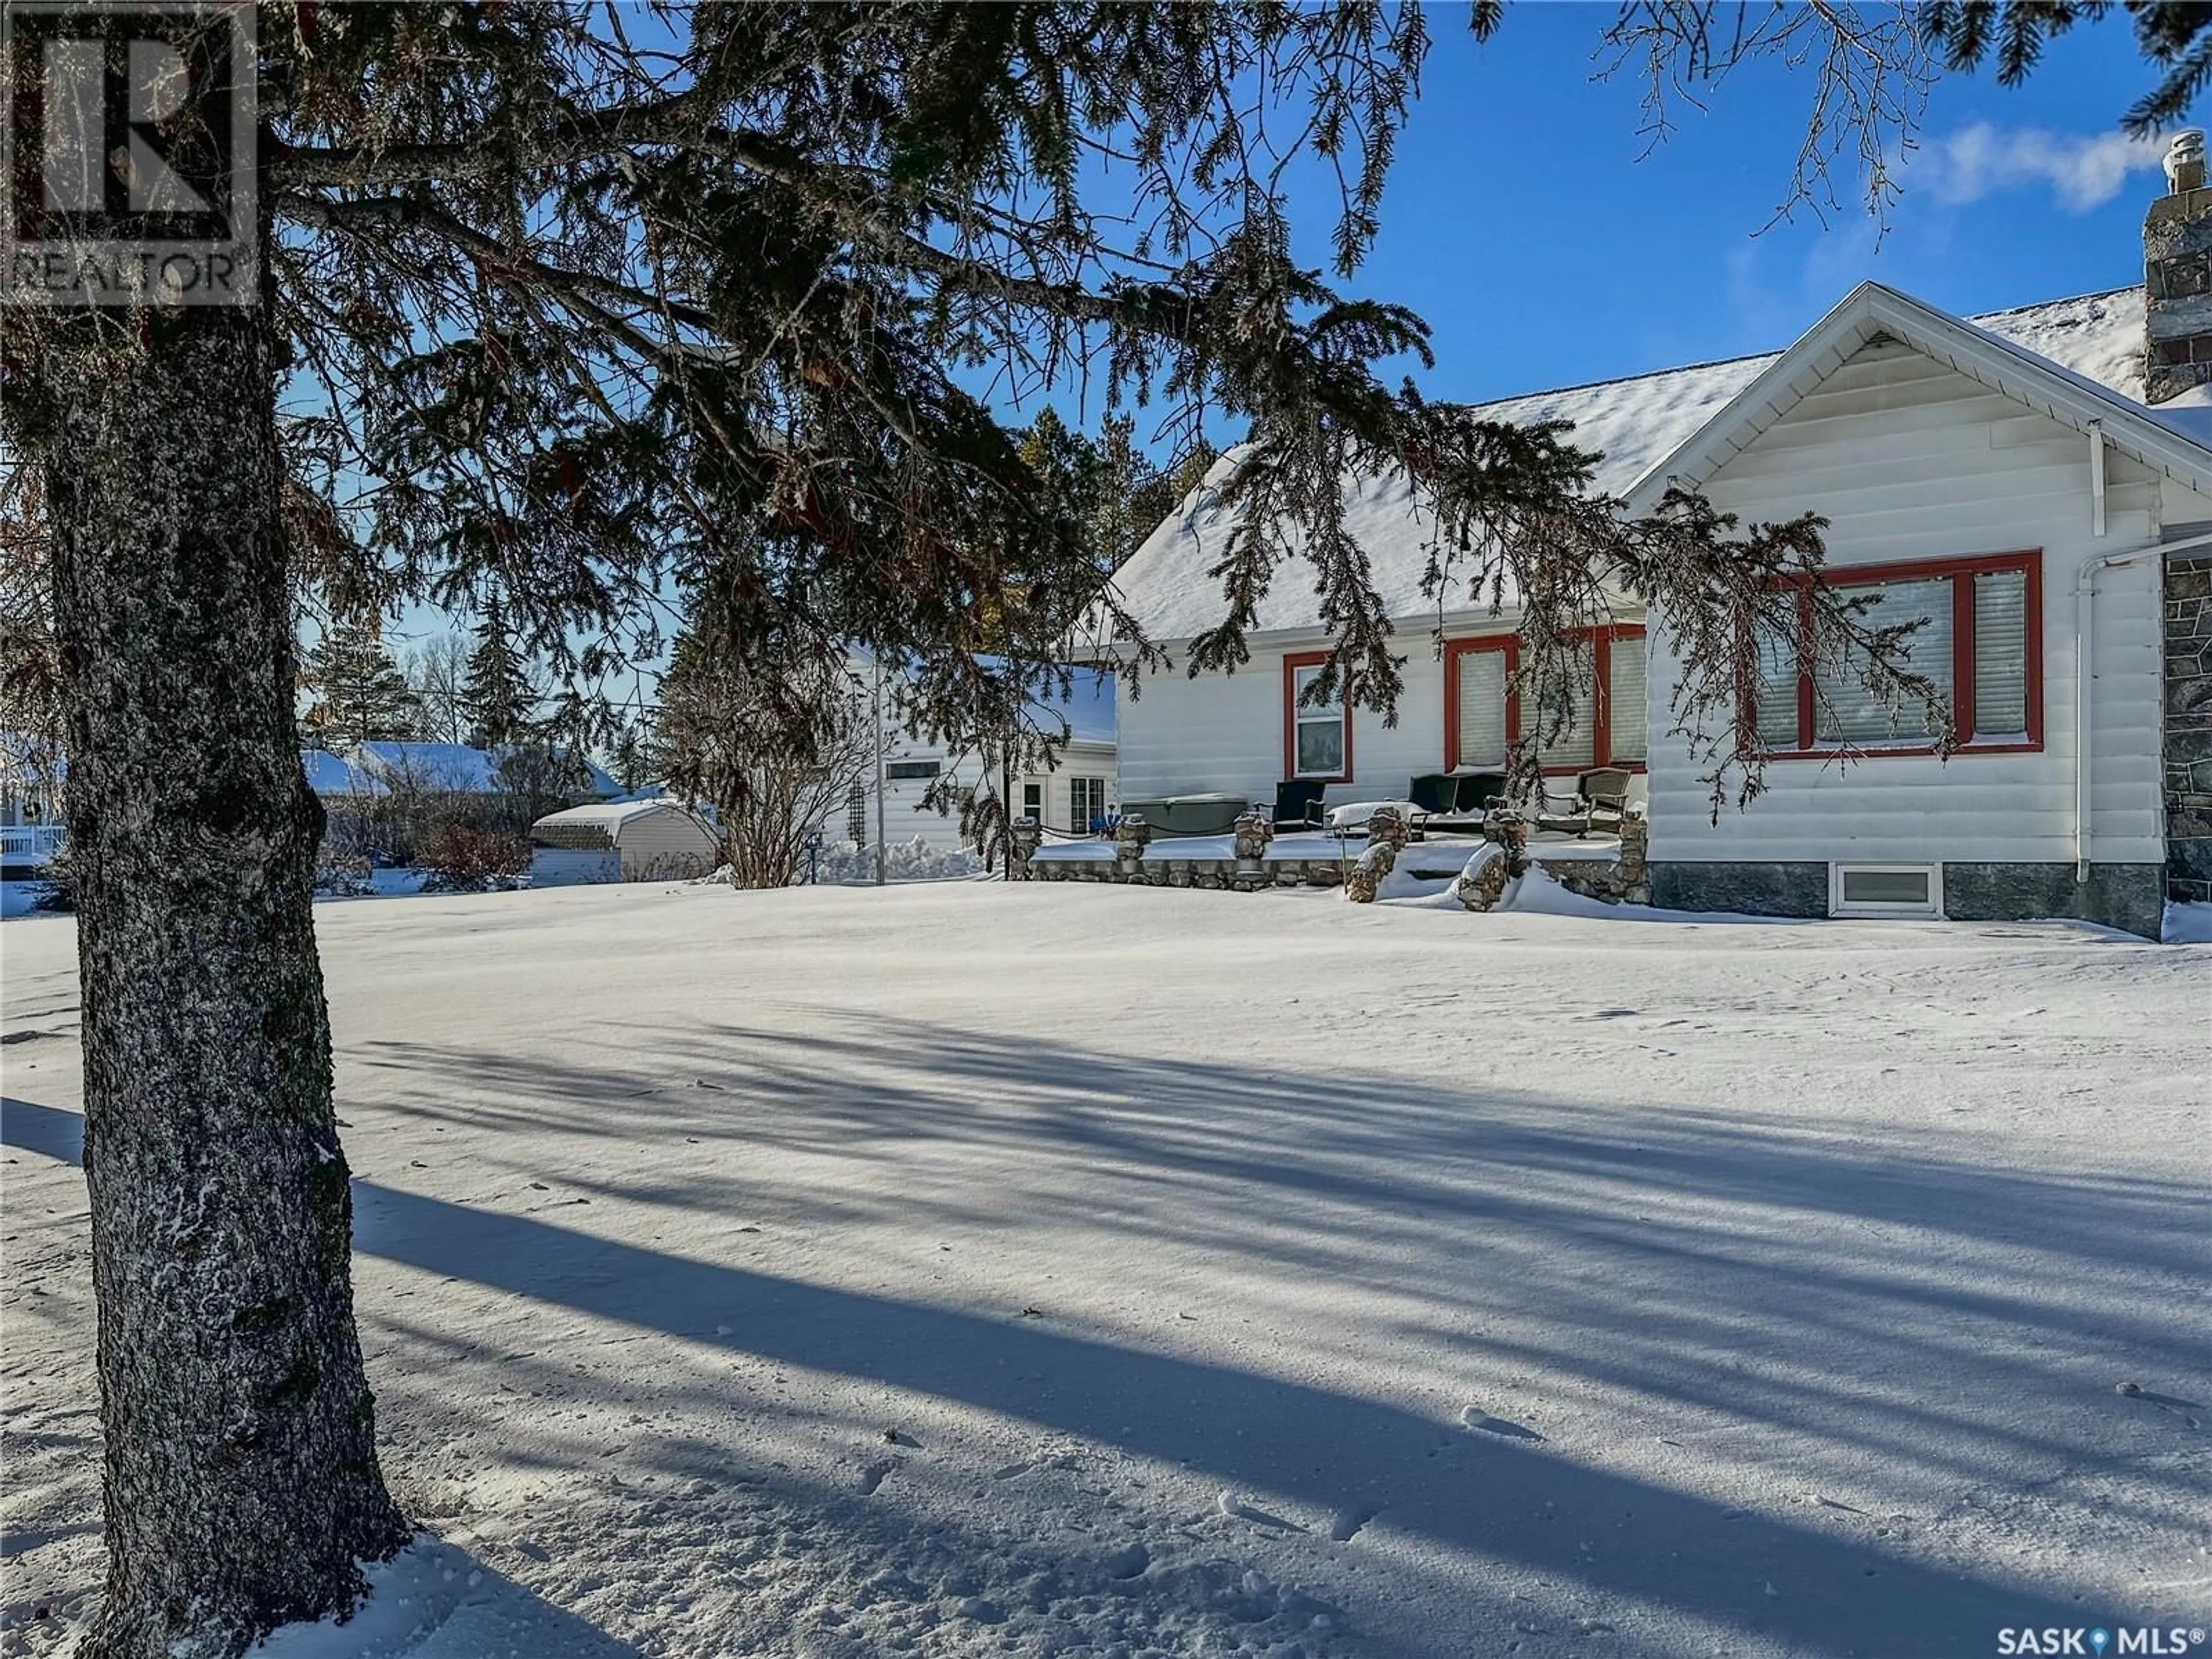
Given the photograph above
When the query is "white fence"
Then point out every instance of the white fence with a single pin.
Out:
(29, 843)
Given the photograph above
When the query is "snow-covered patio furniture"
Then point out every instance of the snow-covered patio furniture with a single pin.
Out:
(1352, 818)
(1605, 793)
(1600, 795)
(1456, 800)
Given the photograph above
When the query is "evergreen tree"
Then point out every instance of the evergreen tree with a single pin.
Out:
(497, 694)
(630, 756)
(356, 692)
(1121, 513)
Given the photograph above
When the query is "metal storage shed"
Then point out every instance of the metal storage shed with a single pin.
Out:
(619, 840)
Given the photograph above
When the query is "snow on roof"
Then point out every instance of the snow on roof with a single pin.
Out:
(1635, 422)
(609, 815)
(451, 766)
(2189, 413)
(437, 765)
(1873, 311)
(332, 775)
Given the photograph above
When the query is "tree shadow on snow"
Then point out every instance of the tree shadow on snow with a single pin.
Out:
(1502, 1497)
(1785, 1274)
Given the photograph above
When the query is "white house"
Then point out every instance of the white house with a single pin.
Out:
(2001, 476)
(1068, 800)
(32, 771)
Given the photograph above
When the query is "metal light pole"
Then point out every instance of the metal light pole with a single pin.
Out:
(878, 663)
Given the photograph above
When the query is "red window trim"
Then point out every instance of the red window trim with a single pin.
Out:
(1601, 725)
(1960, 573)
(1293, 661)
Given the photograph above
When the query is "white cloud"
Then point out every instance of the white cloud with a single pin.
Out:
(2083, 170)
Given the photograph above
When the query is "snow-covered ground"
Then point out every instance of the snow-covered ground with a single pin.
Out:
(968, 1269)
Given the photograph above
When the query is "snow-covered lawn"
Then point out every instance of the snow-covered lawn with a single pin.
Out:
(1070, 1269)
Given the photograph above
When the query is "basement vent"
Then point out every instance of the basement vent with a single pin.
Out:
(1885, 890)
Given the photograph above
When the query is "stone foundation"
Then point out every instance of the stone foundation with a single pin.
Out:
(1752, 889)
(2129, 896)
(2124, 896)
(2189, 729)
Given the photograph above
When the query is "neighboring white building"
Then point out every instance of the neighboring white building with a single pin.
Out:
(1067, 801)
(2001, 476)
(620, 841)
(32, 771)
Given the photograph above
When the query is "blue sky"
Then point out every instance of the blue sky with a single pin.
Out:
(1521, 225)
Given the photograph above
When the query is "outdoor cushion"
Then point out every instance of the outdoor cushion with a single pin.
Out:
(1353, 815)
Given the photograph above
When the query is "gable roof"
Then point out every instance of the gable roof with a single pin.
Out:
(1873, 311)
(1640, 423)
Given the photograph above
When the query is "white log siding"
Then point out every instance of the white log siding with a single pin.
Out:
(906, 819)
(1225, 732)
(1909, 460)
(1076, 760)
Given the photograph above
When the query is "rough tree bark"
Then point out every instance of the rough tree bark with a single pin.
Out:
(242, 1485)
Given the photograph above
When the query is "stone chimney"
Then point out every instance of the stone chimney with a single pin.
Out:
(2178, 276)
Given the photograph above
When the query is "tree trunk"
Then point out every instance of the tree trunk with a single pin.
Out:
(242, 1487)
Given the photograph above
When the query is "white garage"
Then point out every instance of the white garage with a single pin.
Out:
(620, 841)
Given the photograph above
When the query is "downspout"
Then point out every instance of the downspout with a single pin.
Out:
(2097, 478)
(2084, 593)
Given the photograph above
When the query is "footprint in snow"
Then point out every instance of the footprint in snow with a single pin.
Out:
(1483, 1423)
(1345, 1525)
(872, 1476)
(1128, 1562)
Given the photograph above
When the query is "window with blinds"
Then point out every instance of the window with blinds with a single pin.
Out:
(1775, 694)
(1483, 738)
(1575, 745)
(1486, 717)
(1846, 710)
(1625, 716)
(2001, 655)
(2001, 666)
